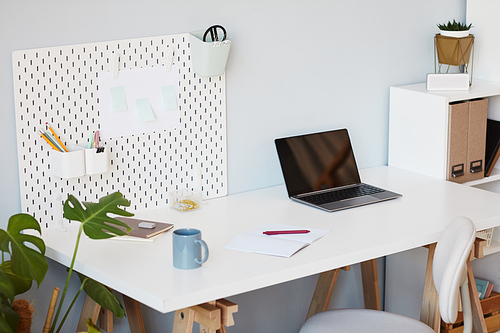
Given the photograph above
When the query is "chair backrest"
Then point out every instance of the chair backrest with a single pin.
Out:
(450, 270)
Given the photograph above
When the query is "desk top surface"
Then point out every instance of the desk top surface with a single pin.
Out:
(144, 271)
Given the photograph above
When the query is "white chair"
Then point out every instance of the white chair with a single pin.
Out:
(449, 274)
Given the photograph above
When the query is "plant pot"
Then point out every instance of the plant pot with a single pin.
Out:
(25, 310)
(452, 50)
(456, 34)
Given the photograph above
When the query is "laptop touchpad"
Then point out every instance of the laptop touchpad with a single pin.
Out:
(350, 203)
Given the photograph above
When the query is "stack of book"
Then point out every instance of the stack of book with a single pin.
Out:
(484, 288)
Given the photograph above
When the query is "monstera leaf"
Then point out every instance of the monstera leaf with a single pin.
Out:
(102, 296)
(9, 318)
(95, 221)
(20, 284)
(26, 262)
(96, 224)
(6, 287)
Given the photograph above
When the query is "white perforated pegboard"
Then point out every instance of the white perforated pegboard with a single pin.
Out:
(59, 85)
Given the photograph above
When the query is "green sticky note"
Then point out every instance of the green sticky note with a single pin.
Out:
(144, 110)
(168, 98)
(118, 99)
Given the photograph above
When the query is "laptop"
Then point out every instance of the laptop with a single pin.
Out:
(320, 170)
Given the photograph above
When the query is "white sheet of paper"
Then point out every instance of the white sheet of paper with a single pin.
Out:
(276, 245)
(138, 83)
(265, 245)
(310, 237)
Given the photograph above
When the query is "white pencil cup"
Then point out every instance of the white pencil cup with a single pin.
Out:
(79, 162)
(68, 165)
(209, 58)
(96, 161)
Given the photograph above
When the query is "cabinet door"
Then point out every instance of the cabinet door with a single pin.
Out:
(457, 141)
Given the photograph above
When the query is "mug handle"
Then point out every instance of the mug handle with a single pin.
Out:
(205, 249)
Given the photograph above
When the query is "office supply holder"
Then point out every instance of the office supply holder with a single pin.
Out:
(60, 85)
(209, 58)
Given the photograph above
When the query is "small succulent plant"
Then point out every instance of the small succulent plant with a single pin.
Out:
(455, 26)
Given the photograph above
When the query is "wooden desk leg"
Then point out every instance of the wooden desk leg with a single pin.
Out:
(208, 316)
(323, 292)
(90, 310)
(212, 317)
(227, 309)
(203, 328)
(106, 320)
(370, 284)
(429, 313)
(183, 321)
(134, 315)
(478, 323)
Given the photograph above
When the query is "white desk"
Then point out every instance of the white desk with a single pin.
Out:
(144, 271)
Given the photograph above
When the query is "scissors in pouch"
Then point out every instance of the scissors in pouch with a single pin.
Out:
(216, 33)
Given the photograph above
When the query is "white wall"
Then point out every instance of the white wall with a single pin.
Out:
(483, 14)
(295, 67)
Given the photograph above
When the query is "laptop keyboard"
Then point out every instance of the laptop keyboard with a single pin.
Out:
(343, 194)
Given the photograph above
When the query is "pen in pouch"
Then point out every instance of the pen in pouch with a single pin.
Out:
(48, 140)
(56, 137)
(96, 139)
(54, 141)
(91, 140)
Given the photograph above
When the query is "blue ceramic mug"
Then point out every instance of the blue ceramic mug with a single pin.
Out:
(187, 245)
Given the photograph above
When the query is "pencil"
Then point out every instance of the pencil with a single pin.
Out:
(57, 138)
(48, 141)
(49, 136)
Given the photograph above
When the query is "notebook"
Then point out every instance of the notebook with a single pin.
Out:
(320, 170)
(142, 234)
(277, 245)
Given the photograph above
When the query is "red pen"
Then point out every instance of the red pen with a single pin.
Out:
(285, 232)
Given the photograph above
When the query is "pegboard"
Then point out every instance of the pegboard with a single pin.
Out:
(60, 85)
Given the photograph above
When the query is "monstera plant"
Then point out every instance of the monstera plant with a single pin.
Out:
(23, 257)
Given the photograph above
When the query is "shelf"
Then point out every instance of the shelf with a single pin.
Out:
(493, 248)
(412, 109)
(494, 176)
(479, 89)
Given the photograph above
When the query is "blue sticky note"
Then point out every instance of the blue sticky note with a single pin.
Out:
(118, 99)
(144, 110)
(168, 98)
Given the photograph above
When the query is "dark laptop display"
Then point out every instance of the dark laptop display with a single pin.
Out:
(320, 170)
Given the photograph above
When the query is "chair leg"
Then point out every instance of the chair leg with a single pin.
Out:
(429, 313)
(478, 323)
(370, 284)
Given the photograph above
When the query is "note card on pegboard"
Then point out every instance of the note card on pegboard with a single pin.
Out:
(182, 138)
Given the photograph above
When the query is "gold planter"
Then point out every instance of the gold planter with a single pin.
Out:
(454, 51)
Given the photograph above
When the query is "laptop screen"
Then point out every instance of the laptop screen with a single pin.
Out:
(317, 161)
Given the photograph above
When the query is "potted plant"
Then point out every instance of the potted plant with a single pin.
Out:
(454, 45)
(455, 29)
(27, 262)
